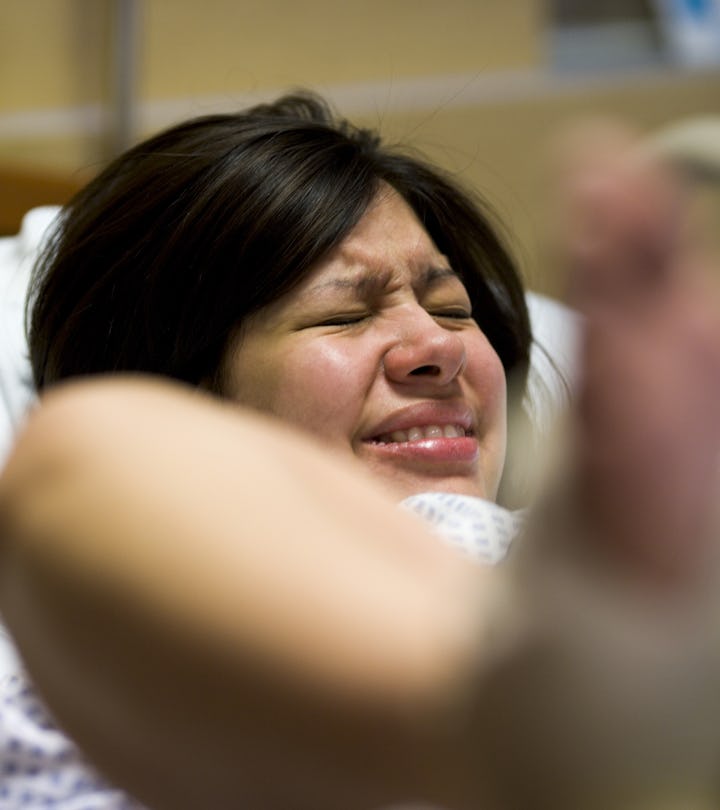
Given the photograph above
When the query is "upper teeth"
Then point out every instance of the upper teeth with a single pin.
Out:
(414, 434)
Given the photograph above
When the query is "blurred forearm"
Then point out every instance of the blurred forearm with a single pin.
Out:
(204, 599)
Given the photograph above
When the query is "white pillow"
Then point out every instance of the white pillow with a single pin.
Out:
(17, 255)
(552, 359)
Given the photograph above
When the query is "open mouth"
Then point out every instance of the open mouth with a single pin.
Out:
(424, 432)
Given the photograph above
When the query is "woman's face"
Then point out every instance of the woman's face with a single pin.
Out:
(376, 353)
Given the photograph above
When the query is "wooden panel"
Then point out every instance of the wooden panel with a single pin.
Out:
(22, 189)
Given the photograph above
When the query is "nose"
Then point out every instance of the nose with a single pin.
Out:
(424, 350)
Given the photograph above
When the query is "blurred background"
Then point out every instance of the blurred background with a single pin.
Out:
(479, 86)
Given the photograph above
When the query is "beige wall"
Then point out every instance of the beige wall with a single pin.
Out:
(501, 147)
(465, 80)
(56, 56)
(52, 53)
(253, 44)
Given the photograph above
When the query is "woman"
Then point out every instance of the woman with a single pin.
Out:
(355, 294)
(233, 253)
(289, 262)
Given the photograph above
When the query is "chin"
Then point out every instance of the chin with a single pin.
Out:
(405, 486)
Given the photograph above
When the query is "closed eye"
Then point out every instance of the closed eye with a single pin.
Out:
(345, 320)
(454, 314)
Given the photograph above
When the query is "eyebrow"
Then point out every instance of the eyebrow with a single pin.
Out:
(371, 283)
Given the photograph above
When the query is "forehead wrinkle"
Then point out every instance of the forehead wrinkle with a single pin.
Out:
(363, 283)
(389, 249)
(369, 283)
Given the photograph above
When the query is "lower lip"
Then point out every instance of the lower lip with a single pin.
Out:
(463, 449)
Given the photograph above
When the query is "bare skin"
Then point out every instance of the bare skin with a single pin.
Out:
(258, 624)
(614, 588)
(648, 425)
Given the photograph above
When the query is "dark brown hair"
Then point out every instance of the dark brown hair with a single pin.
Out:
(155, 264)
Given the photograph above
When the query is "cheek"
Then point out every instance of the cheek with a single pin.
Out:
(319, 387)
(486, 375)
